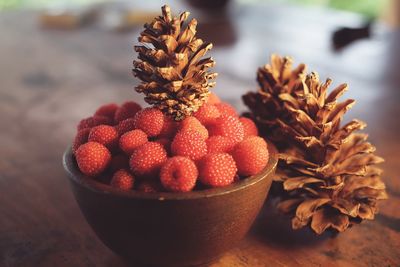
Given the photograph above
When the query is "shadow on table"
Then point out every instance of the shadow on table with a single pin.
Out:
(389, 221)
(273, 228)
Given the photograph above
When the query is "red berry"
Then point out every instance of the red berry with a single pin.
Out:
(147, 159)
(80, 138)
(125, 126)
(219, 143)
(249, 126)
(213, 99)
(92, 158)
(93, 121)
(107, 110)
(193, 124)
(179, 174)
(150, 121)
(229, 127)
(122, 180)
(226, 109)
(189, 144)
(126, 111)
(207, 113)
(105, 135)
(150, 187)
(118, 162)
(217, 169)
(131, 140)
(251, 155)
(169, 127)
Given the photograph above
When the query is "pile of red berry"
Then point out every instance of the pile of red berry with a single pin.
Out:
(142, 149)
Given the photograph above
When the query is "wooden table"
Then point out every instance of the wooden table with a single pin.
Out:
(51, 79)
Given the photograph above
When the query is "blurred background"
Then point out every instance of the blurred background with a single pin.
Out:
(64, 48)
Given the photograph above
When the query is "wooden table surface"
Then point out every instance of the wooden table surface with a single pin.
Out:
(51, 79)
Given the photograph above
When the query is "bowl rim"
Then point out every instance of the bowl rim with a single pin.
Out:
(76, 176)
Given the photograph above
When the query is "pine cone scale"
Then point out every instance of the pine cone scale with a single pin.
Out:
(175, 77)
(327, 171)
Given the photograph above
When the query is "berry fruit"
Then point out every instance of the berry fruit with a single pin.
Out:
(229, 127)
(249, 127)
(226, 109)
(218, 143)
(107, 110)
(207, 113)
(125, 126)
(122, 180)
(131, 140)
(150, 121)
(217, 169)
(189, 144)
(105, 135)
(126, 111)
(92, 158)
(251, 155)
(93, 121)
(179, 174)
(193, 124)
(169, 127)
(147, 159)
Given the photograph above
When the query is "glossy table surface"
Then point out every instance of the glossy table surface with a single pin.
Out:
(50, 79)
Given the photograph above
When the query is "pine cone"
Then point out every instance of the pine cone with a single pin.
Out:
(274, 80)
(328, 172)
(174, 76)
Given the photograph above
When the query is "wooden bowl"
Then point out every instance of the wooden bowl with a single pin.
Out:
(170, 229)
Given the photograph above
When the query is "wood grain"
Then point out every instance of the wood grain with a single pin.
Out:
(51, 79)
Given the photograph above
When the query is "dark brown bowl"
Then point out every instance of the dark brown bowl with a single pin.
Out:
(170, 229)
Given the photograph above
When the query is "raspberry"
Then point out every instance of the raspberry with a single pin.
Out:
(131, 140)
(125, 126)
(189, 144)
(249, 126)
(118, 162)
(147, 159)
(179, 174)
(107, 110)
(251, 155)
(213, 99)
(226, 109)
(122, 180)
(229, 127)
(105, 135)
(93, 121)
(219, 143)
(150, 187)
(92, 158)
(150, 121)
(169, 127)
(207, 113)
(193, 124)
(80, 138)
(126, 111)
(217, 169)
